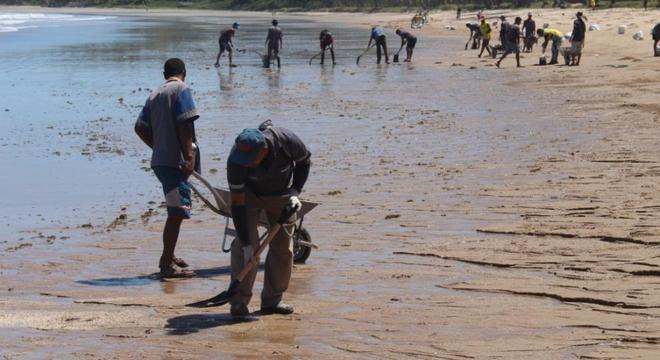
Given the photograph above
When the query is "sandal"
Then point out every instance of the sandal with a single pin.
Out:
(172, 273)
(180, 262)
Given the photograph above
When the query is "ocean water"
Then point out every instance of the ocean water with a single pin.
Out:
(73, 86)
(11, 22)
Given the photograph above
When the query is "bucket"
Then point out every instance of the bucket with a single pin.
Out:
(543, 60)
(622, 29)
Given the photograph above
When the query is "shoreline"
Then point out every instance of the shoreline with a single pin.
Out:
(541, 245)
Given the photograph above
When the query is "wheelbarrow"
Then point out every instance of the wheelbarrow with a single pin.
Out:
(302, 241)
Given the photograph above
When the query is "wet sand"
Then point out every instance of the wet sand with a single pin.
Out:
(467, 212)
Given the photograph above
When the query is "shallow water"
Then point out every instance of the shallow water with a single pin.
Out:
(74, 88)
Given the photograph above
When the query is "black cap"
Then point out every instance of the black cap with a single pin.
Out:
(173, 67)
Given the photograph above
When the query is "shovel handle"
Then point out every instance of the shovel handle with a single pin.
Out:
(252, 263)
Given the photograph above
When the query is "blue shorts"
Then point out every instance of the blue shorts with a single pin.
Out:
(177, 191)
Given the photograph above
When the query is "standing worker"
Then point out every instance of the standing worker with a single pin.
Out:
(486, 31)
(226, 44)
(512, 42)
(378, 37)
(266, 171)
(529, 30)
(274, 42)
(409, 40)
(504, 27)
(166, 125)
(327, 42)
(577, 39)
(556, 37)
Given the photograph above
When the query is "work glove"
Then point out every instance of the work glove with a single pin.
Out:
(295, 203)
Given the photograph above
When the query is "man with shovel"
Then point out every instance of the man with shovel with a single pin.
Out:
(378, 37)
(406, 39)
(327, 42)
(266, 171)
(225, 43)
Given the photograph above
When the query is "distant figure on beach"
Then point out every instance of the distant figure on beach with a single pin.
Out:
(458, 12)
(166, 125)
(512, 42)
(378, 37)
(503, 29)
(485, 36)
(656, 37)
(274, 42)
(529, 30)
(266, 171)
(551, 34)
(226, 44)
(577, 39)
(409, 40)
(475, 35)
(327, 42)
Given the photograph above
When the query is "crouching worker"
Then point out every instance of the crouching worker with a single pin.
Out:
(266, 171)
(556, 36)
(166, 124)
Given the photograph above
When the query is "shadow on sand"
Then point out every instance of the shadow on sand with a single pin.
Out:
(148, 279)
(190, 324)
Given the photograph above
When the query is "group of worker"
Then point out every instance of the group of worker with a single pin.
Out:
(511, 35)
(274, 42)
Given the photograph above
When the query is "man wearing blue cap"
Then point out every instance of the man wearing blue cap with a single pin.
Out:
(266, 171)
(226, 44)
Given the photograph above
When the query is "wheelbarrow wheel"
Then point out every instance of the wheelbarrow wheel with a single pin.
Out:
(301, 252)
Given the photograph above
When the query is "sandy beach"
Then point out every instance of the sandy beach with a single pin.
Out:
(466, 211)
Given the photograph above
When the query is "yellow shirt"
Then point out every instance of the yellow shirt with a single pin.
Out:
(553, 33)
(485, 30)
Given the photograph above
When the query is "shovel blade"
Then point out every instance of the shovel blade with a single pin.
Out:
(219, 299)
(396, 58)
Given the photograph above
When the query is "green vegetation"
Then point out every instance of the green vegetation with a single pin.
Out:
(334, 5)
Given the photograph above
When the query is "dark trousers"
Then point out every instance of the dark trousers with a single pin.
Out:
(381, 44)
(279, 260)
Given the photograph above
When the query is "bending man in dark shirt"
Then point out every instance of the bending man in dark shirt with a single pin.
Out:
(475, 35)
(274, 42)
(327, 42)
(266, 171)
(409, 40)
